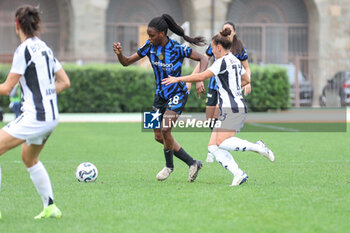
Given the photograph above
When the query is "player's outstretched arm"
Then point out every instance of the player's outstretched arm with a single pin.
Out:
(188, 78)
(62, 80)
(125, 61)
(11, 80)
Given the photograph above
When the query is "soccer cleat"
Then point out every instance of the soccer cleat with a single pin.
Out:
(0, 215)
(50, 212)
(164, 173)
(240, 179)
(194, 170)
(210, 158)
(267, 153)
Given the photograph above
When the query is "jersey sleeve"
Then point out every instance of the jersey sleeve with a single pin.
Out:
(145, 49)
(209, 51)
(243, 71)
(56, 65)
(243, 55)
(19, 63)
(185, 51)
(215, 67)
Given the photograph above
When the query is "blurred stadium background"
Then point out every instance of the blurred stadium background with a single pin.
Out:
(310, 38)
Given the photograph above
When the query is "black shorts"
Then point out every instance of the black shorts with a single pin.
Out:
(176, 103)
(212, 97)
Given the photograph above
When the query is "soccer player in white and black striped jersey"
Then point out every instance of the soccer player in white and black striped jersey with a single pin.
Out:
(237, 49)
(230, 76)
(41, 77)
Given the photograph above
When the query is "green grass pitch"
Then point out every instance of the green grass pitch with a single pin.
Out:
(307, 189)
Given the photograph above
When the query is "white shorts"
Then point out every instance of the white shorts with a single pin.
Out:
(232, 121)
(32, 131)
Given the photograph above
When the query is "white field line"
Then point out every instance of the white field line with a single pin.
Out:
(274, 127)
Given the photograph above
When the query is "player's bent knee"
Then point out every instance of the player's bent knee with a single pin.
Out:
(158, 136)
(159, 139)
(29, 162)
(166, 131)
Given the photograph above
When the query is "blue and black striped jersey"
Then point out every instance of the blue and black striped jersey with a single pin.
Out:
(166, 61)
(212, 82)
(242, 56)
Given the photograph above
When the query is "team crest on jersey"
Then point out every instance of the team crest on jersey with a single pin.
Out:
(161, 56)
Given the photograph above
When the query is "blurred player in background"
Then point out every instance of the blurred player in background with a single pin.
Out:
(166, 57)
(230, 76)
(41, 77)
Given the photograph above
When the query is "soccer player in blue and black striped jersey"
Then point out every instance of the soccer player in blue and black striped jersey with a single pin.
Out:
(166, 56)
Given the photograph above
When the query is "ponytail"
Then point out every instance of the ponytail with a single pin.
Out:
(166, 21)
(237, 44)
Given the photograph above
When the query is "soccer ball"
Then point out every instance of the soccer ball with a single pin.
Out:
(86, 172)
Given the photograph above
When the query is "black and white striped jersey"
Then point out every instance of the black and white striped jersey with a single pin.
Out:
(35, 61)
(228, 71)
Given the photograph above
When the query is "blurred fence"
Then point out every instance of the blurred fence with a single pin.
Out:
(310, 77)
(272, 43)
(128, 34)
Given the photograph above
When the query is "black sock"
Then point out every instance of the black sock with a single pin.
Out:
(169, 158)
(212, 123)
(181, 154)
(50, 201)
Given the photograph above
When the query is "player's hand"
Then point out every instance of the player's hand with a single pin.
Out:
(170, 80)
(189, 85)
(117, 48)
(247, 89)
(200, 88)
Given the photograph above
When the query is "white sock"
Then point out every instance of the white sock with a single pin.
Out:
(225, 159)
(41, 181)
(210, 154)
(237, 144)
